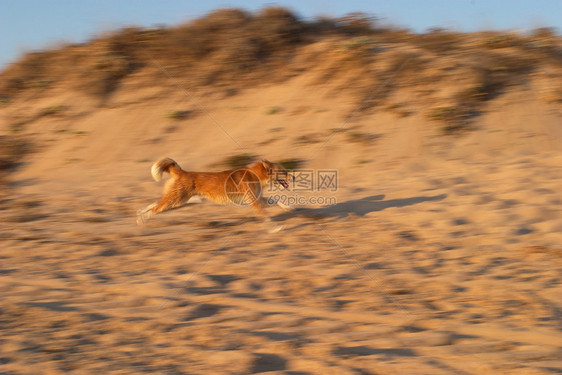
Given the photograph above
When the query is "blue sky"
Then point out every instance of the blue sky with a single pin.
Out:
(27, 25)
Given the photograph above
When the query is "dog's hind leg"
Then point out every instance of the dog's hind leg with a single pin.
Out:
(257, 205)
(145, 213)
(173, 198)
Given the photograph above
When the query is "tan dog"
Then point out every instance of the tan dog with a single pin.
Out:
(239, 186)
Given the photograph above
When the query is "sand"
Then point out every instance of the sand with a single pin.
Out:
(441, 256)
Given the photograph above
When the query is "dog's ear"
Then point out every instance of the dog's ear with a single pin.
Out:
(267, 166)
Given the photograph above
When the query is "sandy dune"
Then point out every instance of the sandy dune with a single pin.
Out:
(441, 256)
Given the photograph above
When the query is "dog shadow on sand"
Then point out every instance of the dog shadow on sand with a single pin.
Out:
(359, 207)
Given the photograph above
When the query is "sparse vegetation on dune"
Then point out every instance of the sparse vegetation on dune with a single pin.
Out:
(13, 149)
(244, 159)
(291, 163)
(360, 137)
(178, 115)
(234, 49)
(239, 160)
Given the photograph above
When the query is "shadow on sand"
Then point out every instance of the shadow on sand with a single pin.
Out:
(359, 207)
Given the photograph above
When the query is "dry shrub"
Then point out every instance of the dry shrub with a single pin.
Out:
(54, 110)
(277, 29)
(197, 39)
(31, 71)
(360, 137)
(229, 44)
(408, 68)
(291, 164)
(307, 139)
(454, 118)
(401, 69)
(545, 42)
(499, 40)
(544, 33)
(439, 41)
(114, 58)
(493, 73)
(356, 23)
(239, 160)
(12, 151)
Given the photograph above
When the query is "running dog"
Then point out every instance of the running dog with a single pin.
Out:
(241, 186)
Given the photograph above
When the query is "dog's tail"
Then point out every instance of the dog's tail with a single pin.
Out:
(164, 165)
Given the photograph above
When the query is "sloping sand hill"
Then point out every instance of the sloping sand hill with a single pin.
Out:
(442, 253)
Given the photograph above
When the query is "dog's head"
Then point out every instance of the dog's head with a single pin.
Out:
(275, 173)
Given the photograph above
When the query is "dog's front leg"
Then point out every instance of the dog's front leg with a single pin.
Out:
(284, 206)
(257, 205)
(272, 202)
